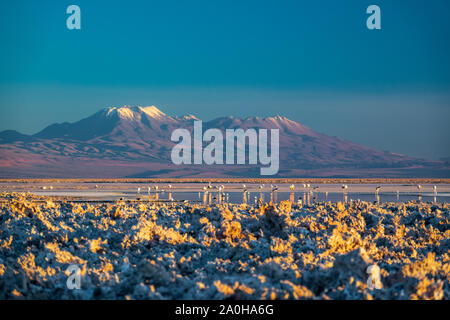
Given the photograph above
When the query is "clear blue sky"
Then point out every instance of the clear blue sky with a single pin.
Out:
(312, 61)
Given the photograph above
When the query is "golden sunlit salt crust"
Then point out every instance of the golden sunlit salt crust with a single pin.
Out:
(191, 251)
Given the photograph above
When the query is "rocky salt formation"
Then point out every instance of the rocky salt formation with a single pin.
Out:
(356, 250)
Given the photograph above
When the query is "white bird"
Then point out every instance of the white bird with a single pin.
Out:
(204, 188)
(148, 190)
(156, 187)
(244, 186)
(435, 189)
(260, 186)
(139, 190)
(304, 185)
(170, 186)
(419, 187)
(344, 187)
(377, 189)
(292, 187)
(308, 185)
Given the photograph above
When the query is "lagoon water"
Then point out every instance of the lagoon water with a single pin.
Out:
(235, 192)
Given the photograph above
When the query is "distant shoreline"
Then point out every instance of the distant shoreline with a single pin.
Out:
(243, 180)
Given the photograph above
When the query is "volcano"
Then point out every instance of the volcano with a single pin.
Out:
(120, 142)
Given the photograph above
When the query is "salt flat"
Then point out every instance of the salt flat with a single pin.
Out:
(170, 250)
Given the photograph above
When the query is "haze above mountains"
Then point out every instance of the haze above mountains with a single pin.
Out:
(120, 142)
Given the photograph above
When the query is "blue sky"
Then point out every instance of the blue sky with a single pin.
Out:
(313, 61)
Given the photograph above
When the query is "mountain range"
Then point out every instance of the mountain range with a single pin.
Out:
(119, 142)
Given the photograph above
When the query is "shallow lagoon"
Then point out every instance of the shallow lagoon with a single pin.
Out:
(236, 193)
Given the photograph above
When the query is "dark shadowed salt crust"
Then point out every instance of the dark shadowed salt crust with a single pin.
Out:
(174, 251)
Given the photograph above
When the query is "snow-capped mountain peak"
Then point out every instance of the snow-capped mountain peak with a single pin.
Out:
(134, 112)
(152, 112)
